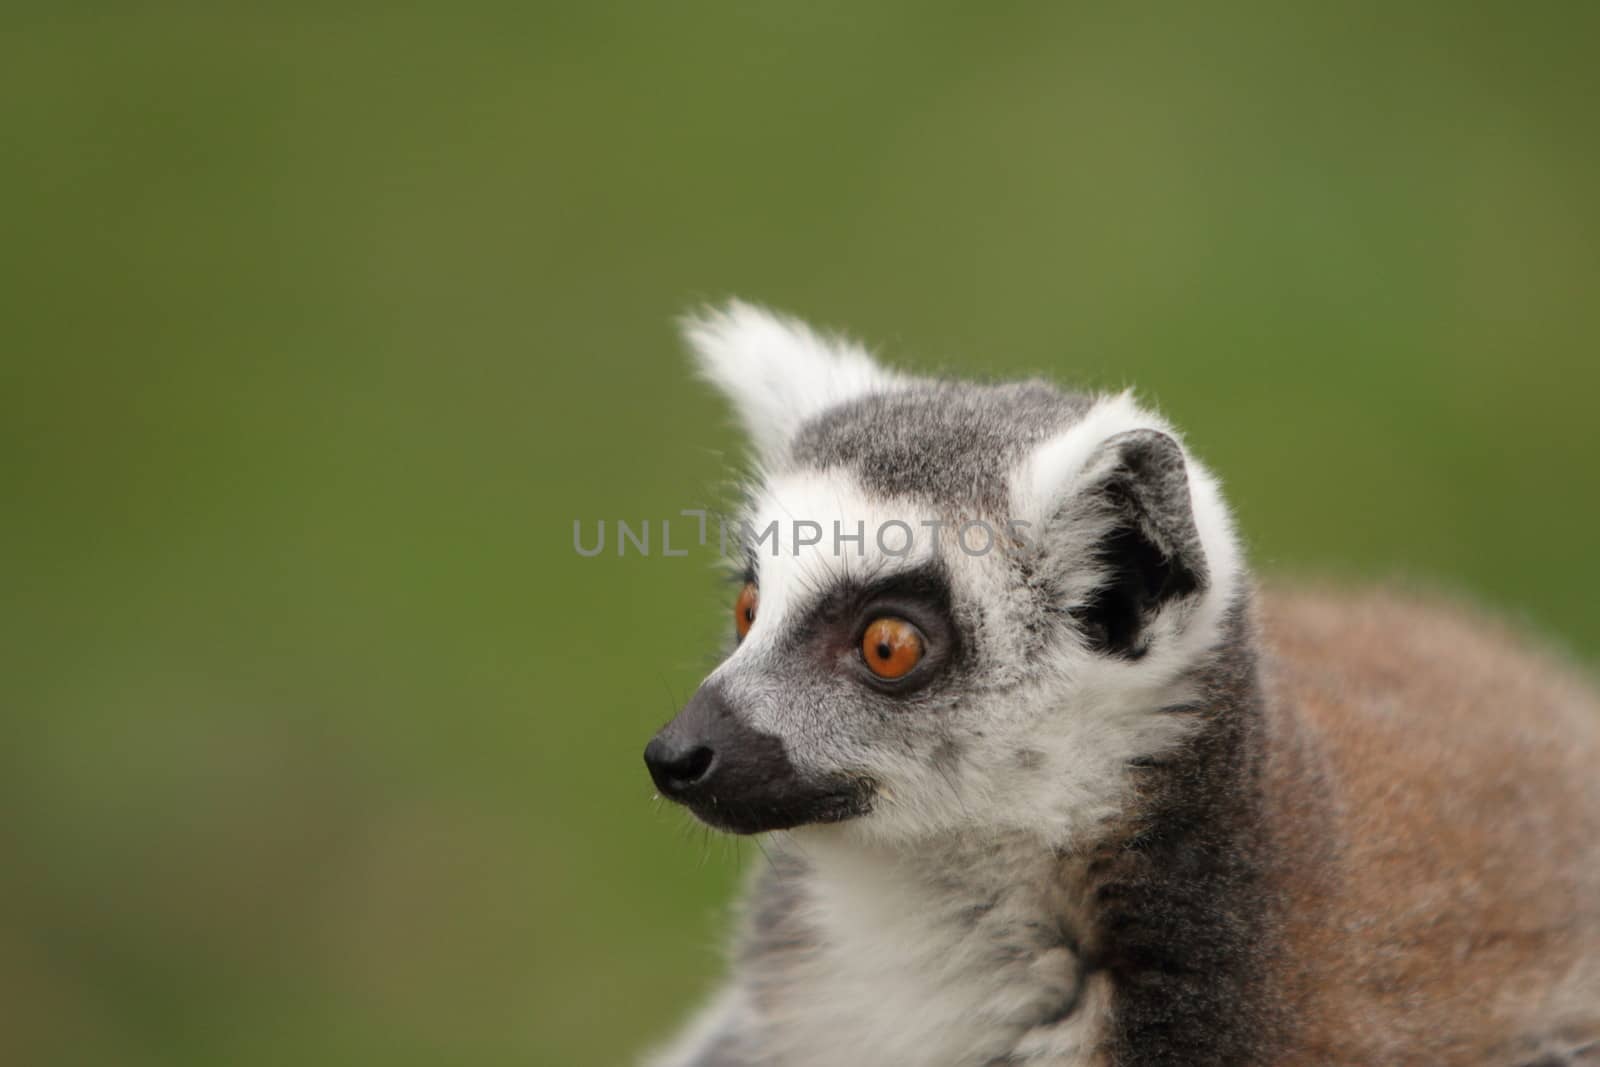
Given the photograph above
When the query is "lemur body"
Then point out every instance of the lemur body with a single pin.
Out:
(1118, 809)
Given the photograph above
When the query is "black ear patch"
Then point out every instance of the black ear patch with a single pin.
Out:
(1151, 552)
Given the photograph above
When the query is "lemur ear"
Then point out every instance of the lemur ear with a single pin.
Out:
(1120, 534)
(1150, 547)
(776, 371)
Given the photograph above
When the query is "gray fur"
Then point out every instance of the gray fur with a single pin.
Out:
(947, 442)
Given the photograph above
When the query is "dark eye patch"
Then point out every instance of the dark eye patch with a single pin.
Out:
(832, 628)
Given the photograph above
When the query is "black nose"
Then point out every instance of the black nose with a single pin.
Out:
(677, 768)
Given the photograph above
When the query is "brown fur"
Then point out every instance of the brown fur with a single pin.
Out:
(1432, 795)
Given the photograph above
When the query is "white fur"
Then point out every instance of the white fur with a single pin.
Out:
(900, 975)
(902, 978)
(777, 371)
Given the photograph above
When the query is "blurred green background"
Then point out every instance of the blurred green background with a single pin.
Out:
(320, 324)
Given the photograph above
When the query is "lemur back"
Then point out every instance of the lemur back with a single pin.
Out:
(1074, 793)
(1448, 909)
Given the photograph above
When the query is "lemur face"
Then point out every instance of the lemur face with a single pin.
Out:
(961, 607)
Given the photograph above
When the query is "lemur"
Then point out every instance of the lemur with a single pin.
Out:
(1090, 797)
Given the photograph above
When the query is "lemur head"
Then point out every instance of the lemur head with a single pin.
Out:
(962, 606)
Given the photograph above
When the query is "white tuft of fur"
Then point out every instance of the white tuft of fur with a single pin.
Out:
(777, 371)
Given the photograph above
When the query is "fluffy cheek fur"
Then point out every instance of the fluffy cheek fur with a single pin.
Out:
(1019, 761)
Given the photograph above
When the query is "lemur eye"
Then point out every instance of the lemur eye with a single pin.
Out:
(891, 647)
(744, 609)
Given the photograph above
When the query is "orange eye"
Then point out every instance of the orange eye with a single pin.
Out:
(891, 647)
(744, 609)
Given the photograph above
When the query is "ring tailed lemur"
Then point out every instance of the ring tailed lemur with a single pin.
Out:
(1085, 798)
